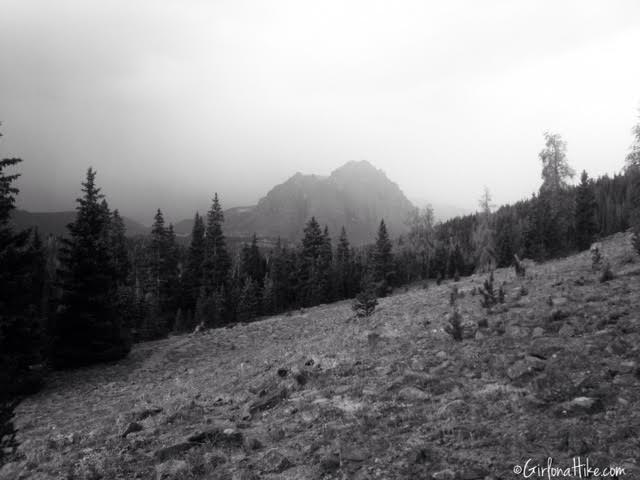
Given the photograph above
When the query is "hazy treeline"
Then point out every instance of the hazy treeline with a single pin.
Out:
(87, 297)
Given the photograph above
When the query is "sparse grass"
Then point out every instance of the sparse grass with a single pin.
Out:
(465, 414)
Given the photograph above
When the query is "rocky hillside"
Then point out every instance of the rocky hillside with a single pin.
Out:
(356, 196)
(552, 372)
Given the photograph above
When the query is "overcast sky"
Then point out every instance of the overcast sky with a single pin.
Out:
(173, 100)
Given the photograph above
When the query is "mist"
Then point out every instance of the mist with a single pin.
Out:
(171, 101)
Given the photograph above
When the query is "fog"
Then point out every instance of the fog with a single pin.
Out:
(171, 100)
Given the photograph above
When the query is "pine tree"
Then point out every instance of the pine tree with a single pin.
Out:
(344, 268)
(89, 328)
(217, 263)
(484, 236)
(21, 332)
(192, 276)
(324, 273)
(366, 301)
(633, 172)
(383, 261)
(554, 191)
(312, 246)
(248, 302)
(118, 246)
(252, 262)
(585, 215)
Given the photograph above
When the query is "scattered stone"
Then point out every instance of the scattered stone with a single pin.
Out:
(567, 331)
(330, 463)
(172, 451)
(537, 332)
(268, 401)
(132, 428)
(413, 394)
(147, 412)
(173, 469)
(274, 462)
(213, 459)
(218, 437)
(628, 366)
(558, 301)
(558, 314)
(446, 474)
(580, 406)
(524, 367)
(252, 443)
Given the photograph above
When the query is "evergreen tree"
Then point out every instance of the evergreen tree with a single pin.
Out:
(585, 215)
(89, 328)
(484, 237)
(252, 262)
(633, 172)
(21, 332)
(192, 276)
(344, 268)
(249, 301)
(366, 301)
(383, 261)
(554, 191)
(216, 268)
(268, 296)
(217, 263)
(118, 245)
(313, 244)
(324, 273)
(421, 237)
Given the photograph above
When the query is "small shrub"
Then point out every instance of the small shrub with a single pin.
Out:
(523, 291)
(596, 256)
(519, 266)
(501, 294)
(365, 302)
(606, 274)
(454, 327)
(453, 295)
(488, 293)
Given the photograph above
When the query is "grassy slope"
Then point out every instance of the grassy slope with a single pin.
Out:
(391, 396)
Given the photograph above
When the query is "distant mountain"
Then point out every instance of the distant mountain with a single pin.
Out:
(55, 223)
(356, 196)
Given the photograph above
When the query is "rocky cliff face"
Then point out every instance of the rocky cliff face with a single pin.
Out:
(356, 196)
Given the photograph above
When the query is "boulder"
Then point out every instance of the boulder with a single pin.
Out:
(274, 462)
(172, 469)
(172, 451)
(132, 428)
(413, 394)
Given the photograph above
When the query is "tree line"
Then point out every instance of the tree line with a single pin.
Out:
(87, 297)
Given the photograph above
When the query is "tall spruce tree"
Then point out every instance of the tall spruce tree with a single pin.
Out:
(554, 192)
(585, 213)
(21, 323)
(217, 263)
(118, 246)
(309, 268)
(344, 269)
(383, 270)
(216, 269)
(484, 236)
(88, 327)
(633, 172)
(192, 276)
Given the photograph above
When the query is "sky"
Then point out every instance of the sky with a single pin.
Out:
(172, 100)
